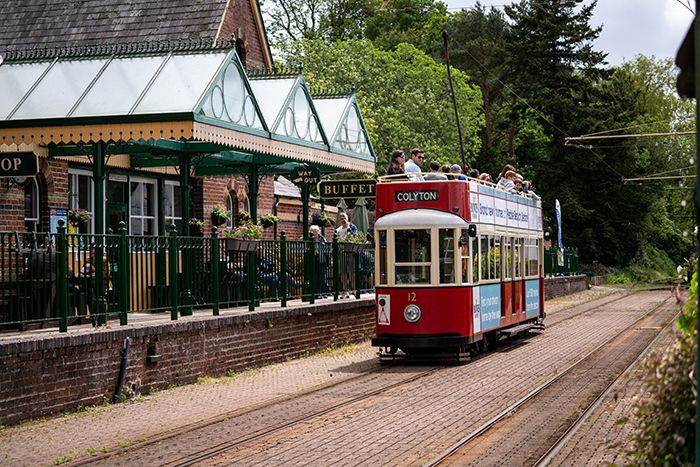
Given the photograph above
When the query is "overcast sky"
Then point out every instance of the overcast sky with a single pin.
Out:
(630, 27)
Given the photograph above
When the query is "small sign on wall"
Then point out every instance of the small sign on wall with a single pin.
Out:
(55, 215)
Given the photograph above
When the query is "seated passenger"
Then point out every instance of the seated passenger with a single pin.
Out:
(396, 163)
(413, 165)
(473, 173)
(446, 170)
(507, 182)
(434, 173)
(456, 172)
(485, 177)
(506, 168)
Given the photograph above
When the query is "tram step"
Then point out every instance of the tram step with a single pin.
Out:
(521, 328)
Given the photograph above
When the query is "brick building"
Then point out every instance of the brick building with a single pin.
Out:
(145, 195)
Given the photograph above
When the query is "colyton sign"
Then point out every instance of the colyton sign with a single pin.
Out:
(18, 164)
(336, 189)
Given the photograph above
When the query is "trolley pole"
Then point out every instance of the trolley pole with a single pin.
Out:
(454, 99)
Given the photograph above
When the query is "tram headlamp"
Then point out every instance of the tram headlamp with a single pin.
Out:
(412, 313)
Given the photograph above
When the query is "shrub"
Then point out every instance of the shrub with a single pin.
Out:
(666, 433)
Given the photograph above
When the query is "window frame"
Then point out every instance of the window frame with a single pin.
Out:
(35, 204)
(169, 186)
(142, 217)
(73, 198)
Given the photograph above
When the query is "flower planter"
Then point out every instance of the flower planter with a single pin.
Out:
(352, 247)
(236, 244)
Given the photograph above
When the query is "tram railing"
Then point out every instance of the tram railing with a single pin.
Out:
(60, 279)
(561, 263)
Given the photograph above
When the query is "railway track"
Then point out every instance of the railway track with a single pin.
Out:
(518, 420)
(214, 449)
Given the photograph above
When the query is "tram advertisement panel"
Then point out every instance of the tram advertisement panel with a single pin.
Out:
(489, 205)
(532, 298)
(490, 306)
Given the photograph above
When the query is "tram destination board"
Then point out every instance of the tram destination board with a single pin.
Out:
(18, 164)
(337, 189)
(413, 196)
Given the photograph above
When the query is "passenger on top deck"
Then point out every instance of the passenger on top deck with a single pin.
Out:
(445, 169)
(507, 182)
(485, 177)
(413, 166)
(506, 168)
(473, 173)
(456, 172)
(434, 173)
(396, 163)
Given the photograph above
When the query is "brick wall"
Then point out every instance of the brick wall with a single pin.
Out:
(53, 373)
(564, 285)
(239, 22)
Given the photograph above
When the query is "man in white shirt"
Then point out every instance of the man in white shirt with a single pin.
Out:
(413, 165)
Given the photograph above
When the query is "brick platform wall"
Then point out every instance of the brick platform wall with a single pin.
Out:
(45, 375)
(564, 285)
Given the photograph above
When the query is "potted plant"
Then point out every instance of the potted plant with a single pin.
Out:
(220, 215)
(354, 242)
(321, 219)
(78, 218)
(243, 217)
(243, 237)
(196, 226)
(268, 220)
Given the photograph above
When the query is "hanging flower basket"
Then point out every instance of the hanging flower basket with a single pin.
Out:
(78, 218)
(268, 220)
(237, 244)
(196, 226)
(219, 215)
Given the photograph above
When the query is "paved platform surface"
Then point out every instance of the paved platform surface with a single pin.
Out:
(76, 435)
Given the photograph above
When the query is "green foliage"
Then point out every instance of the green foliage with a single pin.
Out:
(246, 231)
(358, 237)
(220, 212)
(688, 320)
(666, 433)
(403, 93)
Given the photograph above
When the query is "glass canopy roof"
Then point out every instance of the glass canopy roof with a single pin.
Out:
(208, 87)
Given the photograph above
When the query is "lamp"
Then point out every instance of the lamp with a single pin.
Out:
(19, 182)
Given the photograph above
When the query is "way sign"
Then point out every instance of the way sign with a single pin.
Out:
(18, 164)
(305, 176)
(336, 189)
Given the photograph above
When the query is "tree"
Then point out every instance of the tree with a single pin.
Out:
(403, 94)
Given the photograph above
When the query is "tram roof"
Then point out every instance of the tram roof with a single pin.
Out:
(170, 97)
(419, 218)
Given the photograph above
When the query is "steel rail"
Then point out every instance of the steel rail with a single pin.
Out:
(437, 460)
(221, 448)
(547, 457)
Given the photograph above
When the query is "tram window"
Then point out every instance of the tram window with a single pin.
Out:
(382, 257)
(412, 256)
(475, 256)
(531, 257)
(446, 239)
(495, 257)
(465, 251)
(484, 257)
(518, 257)
(508, 256)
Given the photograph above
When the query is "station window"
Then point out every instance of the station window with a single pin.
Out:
(31, 205)
(172, 205)
(81, 195)
(232, 207)
(446, 248)
(382, 248)
(412, 256)
(142, 211)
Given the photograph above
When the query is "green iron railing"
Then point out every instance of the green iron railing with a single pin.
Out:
(61, 279)
(561, 263)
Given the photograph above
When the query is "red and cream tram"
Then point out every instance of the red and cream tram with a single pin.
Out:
(458, 264)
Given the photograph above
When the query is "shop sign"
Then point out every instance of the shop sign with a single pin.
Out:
(336, 189)
(306, 176)
(18, 164)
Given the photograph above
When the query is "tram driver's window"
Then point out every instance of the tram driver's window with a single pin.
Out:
(412, 256)
(446, 239)
(382, 279)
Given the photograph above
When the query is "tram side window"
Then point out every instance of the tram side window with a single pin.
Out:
(531, 257)
(508, 256)
(446, 239)
(467, 252)
(475, 256)
(495, 257)
(412, 256)
(484, 258)
(382, 278)
(518, 251)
